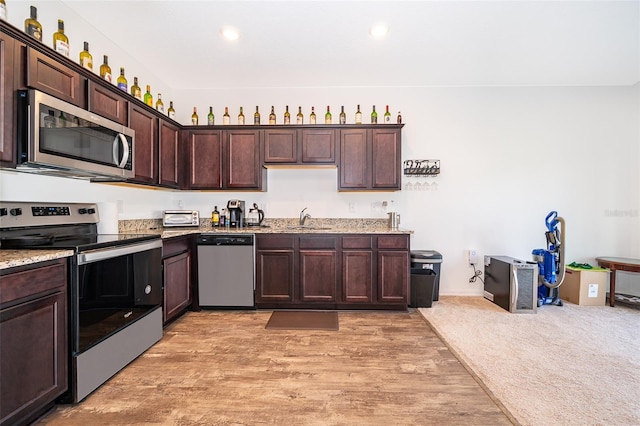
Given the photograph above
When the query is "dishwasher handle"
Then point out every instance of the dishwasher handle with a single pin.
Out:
(225, 240)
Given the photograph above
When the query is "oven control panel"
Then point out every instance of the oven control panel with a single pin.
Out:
(16, 214)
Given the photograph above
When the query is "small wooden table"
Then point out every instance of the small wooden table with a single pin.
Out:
(617, 264)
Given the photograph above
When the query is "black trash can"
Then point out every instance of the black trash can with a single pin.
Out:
(422, 287)
(428, 259)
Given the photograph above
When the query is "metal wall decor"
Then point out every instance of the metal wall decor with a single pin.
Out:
(421, 167)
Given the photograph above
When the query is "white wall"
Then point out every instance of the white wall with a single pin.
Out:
(509, 155)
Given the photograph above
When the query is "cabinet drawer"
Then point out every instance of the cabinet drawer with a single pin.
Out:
(52, 77)
(320, 242)
(173, 246)
(42, 278)
(393, 242)
(360, 242)
(279, 242)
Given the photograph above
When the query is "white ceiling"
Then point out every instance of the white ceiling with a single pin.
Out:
(326, 43)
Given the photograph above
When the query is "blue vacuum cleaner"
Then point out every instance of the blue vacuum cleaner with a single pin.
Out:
(551, 266)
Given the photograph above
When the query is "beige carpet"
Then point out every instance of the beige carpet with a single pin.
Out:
(570, 365)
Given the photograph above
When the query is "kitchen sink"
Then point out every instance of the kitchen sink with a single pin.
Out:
(310, 227)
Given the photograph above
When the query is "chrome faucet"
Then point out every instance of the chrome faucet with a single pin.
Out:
(304, 216)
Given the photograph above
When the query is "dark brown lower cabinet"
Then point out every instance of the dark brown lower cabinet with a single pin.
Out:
(33, 340)
(176, 263)
(332, 271)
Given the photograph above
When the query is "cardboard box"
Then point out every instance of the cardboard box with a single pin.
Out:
(585, 286)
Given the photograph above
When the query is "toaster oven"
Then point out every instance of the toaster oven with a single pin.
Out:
(180, 218)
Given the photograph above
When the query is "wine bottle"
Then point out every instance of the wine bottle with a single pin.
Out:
(159, 103)
(287, 116)
(60, 40)
(226, 118)
(241, 117)
(211, 119)
(299, 117)
(62, 120)
(215, 217)
(374, 116)
(32, 26)
(387, 116)
(327, 116)
(136, 91)
(358, 116)
(343, 116)
(194, 117)
(171, 113)
(121, 81)
(3, 10)
(86, 60)
(105, 69)
(148, 97)
(312, 116)
(256, 117)
(399, 119)
(272, 116)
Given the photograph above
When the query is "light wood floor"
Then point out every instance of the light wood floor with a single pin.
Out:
(225, 368)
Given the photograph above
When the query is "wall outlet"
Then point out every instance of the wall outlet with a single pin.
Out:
(472, 257)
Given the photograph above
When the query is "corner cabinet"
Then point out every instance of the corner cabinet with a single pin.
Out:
(332, 271)
(370, 158)
(33, 340)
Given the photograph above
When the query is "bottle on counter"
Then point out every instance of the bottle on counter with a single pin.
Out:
(211, 119)
(3, 10)
(121, 81)
(136, 91)
(374, 116)
(327, 116)
(60, 40)
(171, 113)
(256, 117)
(105, 69)
(312, 116)
(358, 116)
(241, 117)
(287, 115)
(223, 218)
(148, 97)
(86, 60)
(159, 103)
(32, 26)
(300, 116)
(272, 116)
(215, 217)
(343, 116)
(387, 116)
(226, 118)
(399, 119)
(194, 117)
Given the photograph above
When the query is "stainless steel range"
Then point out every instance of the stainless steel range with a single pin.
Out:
(115, 286)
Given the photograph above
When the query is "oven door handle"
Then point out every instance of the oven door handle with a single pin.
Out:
(91, 256)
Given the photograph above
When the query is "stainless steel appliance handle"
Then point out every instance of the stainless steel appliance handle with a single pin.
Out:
(125, 146)
(514, 293)
(91, 256)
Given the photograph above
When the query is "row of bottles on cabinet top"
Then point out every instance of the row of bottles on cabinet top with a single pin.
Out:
(61, 45)
(299, 118)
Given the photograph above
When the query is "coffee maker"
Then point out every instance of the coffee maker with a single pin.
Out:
(236, 213)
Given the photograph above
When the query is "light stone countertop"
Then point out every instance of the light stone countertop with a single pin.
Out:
(11, 258)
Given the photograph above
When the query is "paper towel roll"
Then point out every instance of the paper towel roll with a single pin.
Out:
(108, 213)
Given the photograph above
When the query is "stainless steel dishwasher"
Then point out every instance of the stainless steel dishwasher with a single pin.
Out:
(226, 270)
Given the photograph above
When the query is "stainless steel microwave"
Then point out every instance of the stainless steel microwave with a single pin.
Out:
(55, 137)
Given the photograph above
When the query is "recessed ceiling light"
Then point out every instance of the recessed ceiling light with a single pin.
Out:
(379, 30)
(230, 33)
